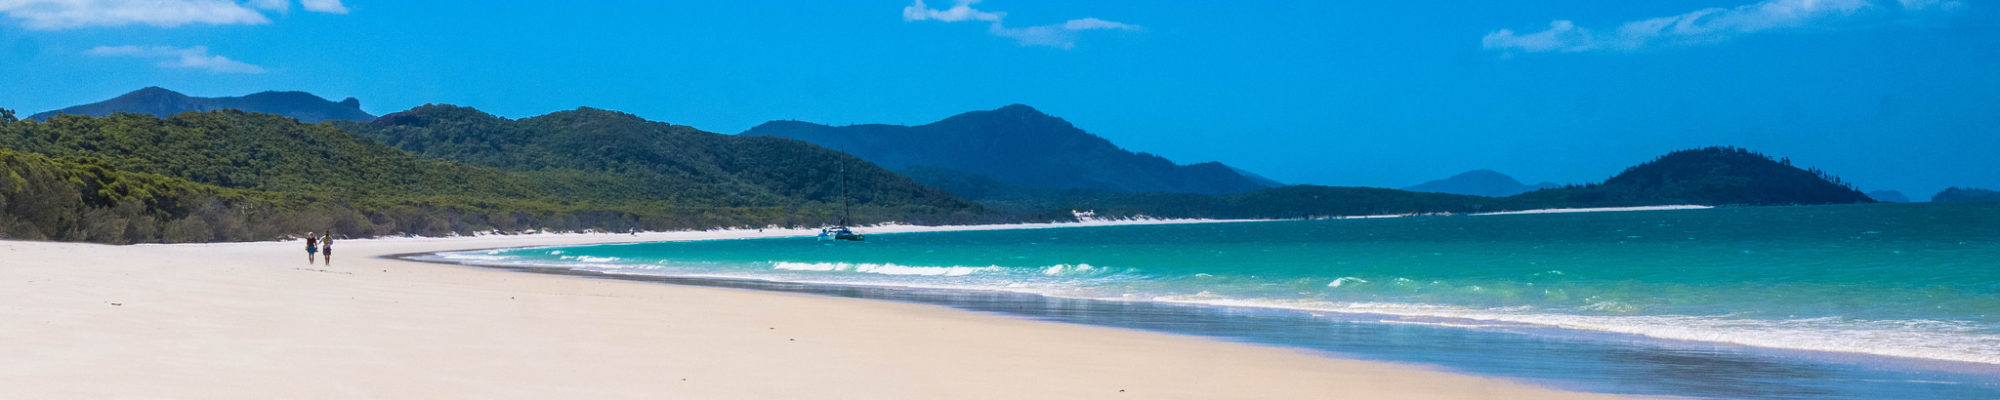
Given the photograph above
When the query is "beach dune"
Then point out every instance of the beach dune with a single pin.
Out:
(255, 320)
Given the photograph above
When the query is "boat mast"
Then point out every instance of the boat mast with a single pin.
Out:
(844, 214)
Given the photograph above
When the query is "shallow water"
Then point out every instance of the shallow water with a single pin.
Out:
(1859, 301)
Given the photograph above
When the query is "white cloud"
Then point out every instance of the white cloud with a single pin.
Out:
(174, 57)
(1061, 35)
(1093, 23)
(325, 6)
(960, 12)
(1704, 26)
(69, 14)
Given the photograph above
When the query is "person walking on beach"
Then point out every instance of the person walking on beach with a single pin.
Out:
(312, 243)
(326, 247)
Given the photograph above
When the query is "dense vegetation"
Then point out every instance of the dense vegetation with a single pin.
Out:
(1710, 176)
(248, 176)
(78, 199)
(436, 170)
(1019, 146)
(621, 156)
(164, 103)
(267, 152)
(1958, 194)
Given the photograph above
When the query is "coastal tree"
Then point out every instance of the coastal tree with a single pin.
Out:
(7, 116)
(231, 175)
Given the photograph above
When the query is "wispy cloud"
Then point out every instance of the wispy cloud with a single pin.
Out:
(1061, 35)
(960, 12)
(70, 14)
(325, 6)
(174, 57)
(1706, 26)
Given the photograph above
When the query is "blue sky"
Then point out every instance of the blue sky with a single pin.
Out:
(1891, 94)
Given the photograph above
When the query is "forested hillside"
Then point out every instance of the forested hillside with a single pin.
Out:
(1710, 176)
(250, 176)
(80, 200)
(257, 151)
(640, 159)
(233, 175)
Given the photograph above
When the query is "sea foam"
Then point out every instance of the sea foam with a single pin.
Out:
(883, 269)
(1928, 339)
(1345, 280)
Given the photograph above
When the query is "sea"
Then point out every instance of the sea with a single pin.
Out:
(1794, 302)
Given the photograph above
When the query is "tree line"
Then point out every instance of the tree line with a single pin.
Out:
(230, 176)
(443, 170)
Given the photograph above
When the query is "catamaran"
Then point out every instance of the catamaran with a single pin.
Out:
(840, 231)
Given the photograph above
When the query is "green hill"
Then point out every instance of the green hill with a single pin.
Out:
(1709, 176)
(268, 152)
(632, 158)
(434, 170)
(81, 200)
(249, 176)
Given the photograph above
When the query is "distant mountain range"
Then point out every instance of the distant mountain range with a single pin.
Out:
(1480, 182)
(1020, 146)
(1888, 196)
(165, 103)
(1707, 176)
(229, 174)
(1959, 194)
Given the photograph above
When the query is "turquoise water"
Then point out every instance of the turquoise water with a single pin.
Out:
(1903, 280)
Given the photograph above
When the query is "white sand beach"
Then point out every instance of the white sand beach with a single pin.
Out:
(254, 320)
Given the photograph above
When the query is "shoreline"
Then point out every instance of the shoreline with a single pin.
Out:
(1189, 318)
(1599, 209)
(235, 320)
(1463, 319)
(1472, 320)
(1528, 212)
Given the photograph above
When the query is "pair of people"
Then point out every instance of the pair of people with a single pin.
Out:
(322, 244)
